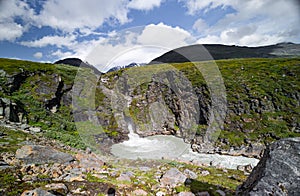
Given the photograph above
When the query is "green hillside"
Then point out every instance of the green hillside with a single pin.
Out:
(262, 99)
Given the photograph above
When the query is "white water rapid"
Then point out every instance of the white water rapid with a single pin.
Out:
(166, 146)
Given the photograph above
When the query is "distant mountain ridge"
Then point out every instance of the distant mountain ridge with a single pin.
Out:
(198, 52)
(126, 66)
(76, 62)
(217, 51)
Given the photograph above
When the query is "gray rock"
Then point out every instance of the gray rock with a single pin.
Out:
(4, 165)
(185, 194)
(37, 192)
(24, 126)
(57, 187)
(172, 177)
(205, 173)
(190, 174)
(35, 129)
(124, 177)
(204, 193)
(36, 154)
(221, 192)
(277, 173)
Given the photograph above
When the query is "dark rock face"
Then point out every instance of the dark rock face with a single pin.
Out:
(36, 154)
(12, 111)
(277, 173)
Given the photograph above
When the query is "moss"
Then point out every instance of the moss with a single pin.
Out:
(8, 183)
(12, 139)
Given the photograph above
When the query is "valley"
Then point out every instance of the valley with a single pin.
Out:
(68, 130)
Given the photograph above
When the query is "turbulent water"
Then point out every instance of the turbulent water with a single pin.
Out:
(166, 146)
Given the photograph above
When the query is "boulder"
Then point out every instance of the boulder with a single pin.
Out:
(172, 177)
(89, 161)
(190, 174)
(36, 154)
(37, 192)
(277, 173)
(59, 188)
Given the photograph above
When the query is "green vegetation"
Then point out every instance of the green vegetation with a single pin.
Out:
(262, 96)
(11, 143)
(218, 179)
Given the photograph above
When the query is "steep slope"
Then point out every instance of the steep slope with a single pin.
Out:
(217, 51)
(262, 100)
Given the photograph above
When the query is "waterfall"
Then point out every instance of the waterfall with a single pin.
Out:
(167, 146)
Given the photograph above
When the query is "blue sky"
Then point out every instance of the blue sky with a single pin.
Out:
(114, 32)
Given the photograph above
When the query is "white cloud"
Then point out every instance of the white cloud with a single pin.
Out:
(58, 53)
(38, 55)
(137, 45)
(90, 14)
(164, 35)
(10, 31)
(255, 22)
(200, 25)
(194, 6)
(58, 41)
(9, 10)
(144, 5)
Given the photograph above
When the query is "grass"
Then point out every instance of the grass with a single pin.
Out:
(262, 96)
(12, 139)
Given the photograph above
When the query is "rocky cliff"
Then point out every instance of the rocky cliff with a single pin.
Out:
(262, 101)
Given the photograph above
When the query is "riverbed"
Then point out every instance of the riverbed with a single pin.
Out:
(171, 147)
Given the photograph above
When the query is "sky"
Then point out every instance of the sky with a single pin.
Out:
(109, 33)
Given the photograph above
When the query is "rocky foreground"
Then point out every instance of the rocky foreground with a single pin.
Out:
(33, 165)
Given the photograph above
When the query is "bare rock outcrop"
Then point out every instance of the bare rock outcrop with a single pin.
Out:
(278, 172)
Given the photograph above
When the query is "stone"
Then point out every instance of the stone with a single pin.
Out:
(37, 192)
(190, 174)
(139, 192)
(73, 175)
(277, 173)
(89, 161)
(205, 173)
(160, 193)
(35, 129)
(221, 193)
(4, 165)
(172, 177)
(255, 150)
(245, 168)
(185, 194)
(36, 154)
(79, 191)
(24, 126)
(204, 193)
(124, 177)
(57, 187)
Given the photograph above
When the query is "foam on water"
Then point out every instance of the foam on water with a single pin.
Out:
(166, 146)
